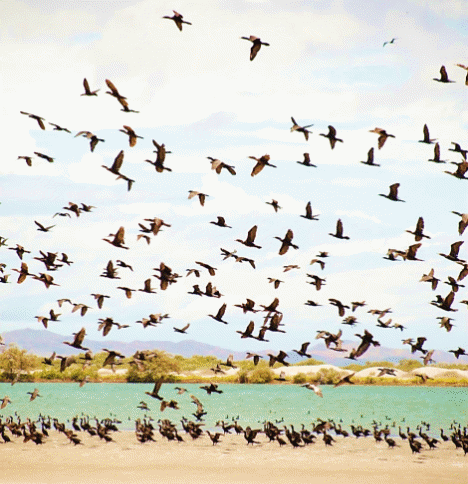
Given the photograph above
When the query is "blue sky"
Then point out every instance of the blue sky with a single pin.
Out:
(197, 92)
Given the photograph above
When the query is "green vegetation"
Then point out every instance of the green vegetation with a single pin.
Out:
(18, 363)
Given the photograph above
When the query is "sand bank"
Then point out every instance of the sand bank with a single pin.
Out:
(231, 461)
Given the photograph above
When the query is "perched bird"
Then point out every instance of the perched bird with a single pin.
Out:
(256, 45)
(301, 129)
(383, 135)
(331, 135)
(178, 20)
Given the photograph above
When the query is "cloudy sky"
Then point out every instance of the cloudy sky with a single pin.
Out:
(197, 92)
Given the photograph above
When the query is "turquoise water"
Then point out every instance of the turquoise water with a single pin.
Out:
(253, 404)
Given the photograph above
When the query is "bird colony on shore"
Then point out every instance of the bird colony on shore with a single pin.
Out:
(243, 249)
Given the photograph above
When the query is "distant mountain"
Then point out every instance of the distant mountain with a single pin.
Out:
(43, 343)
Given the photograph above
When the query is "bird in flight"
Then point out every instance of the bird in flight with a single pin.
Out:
(443, 76)
(301, 129)
(390, 41)
(178, 20)
(256, 45)
(331, 135)
(88, 91)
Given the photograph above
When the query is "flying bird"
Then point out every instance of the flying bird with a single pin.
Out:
(339, 231)
(178, 20)
(331, 135)
(40, 121)
(88, 91)
(261, 163)
(443, 76)
(383, 135)
(256, 45)
(427, 139)
(301, 129)
(393, 194)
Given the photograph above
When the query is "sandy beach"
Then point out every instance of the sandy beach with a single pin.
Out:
(350, 460)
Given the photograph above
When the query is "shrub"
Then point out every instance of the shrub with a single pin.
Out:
(242, 376)
(261, 375)
(327, 376)
(300, 378)
(408, 365)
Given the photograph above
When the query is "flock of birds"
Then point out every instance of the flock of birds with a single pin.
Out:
(273, 316)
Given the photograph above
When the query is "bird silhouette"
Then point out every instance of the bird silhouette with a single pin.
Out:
(256, 45)
(178, 20)
(331, 135)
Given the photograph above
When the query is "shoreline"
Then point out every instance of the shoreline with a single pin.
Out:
(231, 461)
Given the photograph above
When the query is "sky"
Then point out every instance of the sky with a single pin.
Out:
(197, 92)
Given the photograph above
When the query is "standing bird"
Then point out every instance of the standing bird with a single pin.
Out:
(178, 20)
(383, 135)
(427, 139)
(393, 194)
(331, 135)
(88, 91)
(301, 129)
(256, 45)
